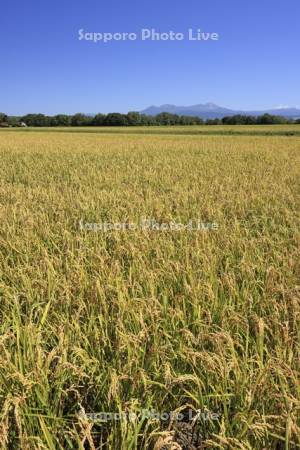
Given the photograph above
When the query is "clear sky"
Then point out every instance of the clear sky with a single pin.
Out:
(45, 68)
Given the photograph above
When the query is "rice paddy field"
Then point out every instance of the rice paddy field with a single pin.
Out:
(186, 338)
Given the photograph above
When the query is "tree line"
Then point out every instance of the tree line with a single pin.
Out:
(136, 119)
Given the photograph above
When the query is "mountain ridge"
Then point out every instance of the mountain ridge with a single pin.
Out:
(211, 110)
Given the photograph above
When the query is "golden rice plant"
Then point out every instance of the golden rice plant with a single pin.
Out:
(142, 319)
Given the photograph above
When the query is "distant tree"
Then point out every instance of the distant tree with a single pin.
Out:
(13, 121)
(98, 120)
(184, 120)
(146, 120)
(266, 119)
(133, 118)
(190, 120)
(80, 120)
(115, 120)
(166, 118)
(269, 119)
(213, 122)
(3, 118)
(239, 119)
(36, 120)
(250, 120)
(61, 120)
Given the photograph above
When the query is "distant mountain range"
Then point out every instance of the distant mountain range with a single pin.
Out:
(213, 111)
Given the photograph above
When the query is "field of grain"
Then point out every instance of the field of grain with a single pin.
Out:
(203, 130)
(125, 321)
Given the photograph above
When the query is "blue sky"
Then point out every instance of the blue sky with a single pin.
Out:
(45, 68)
